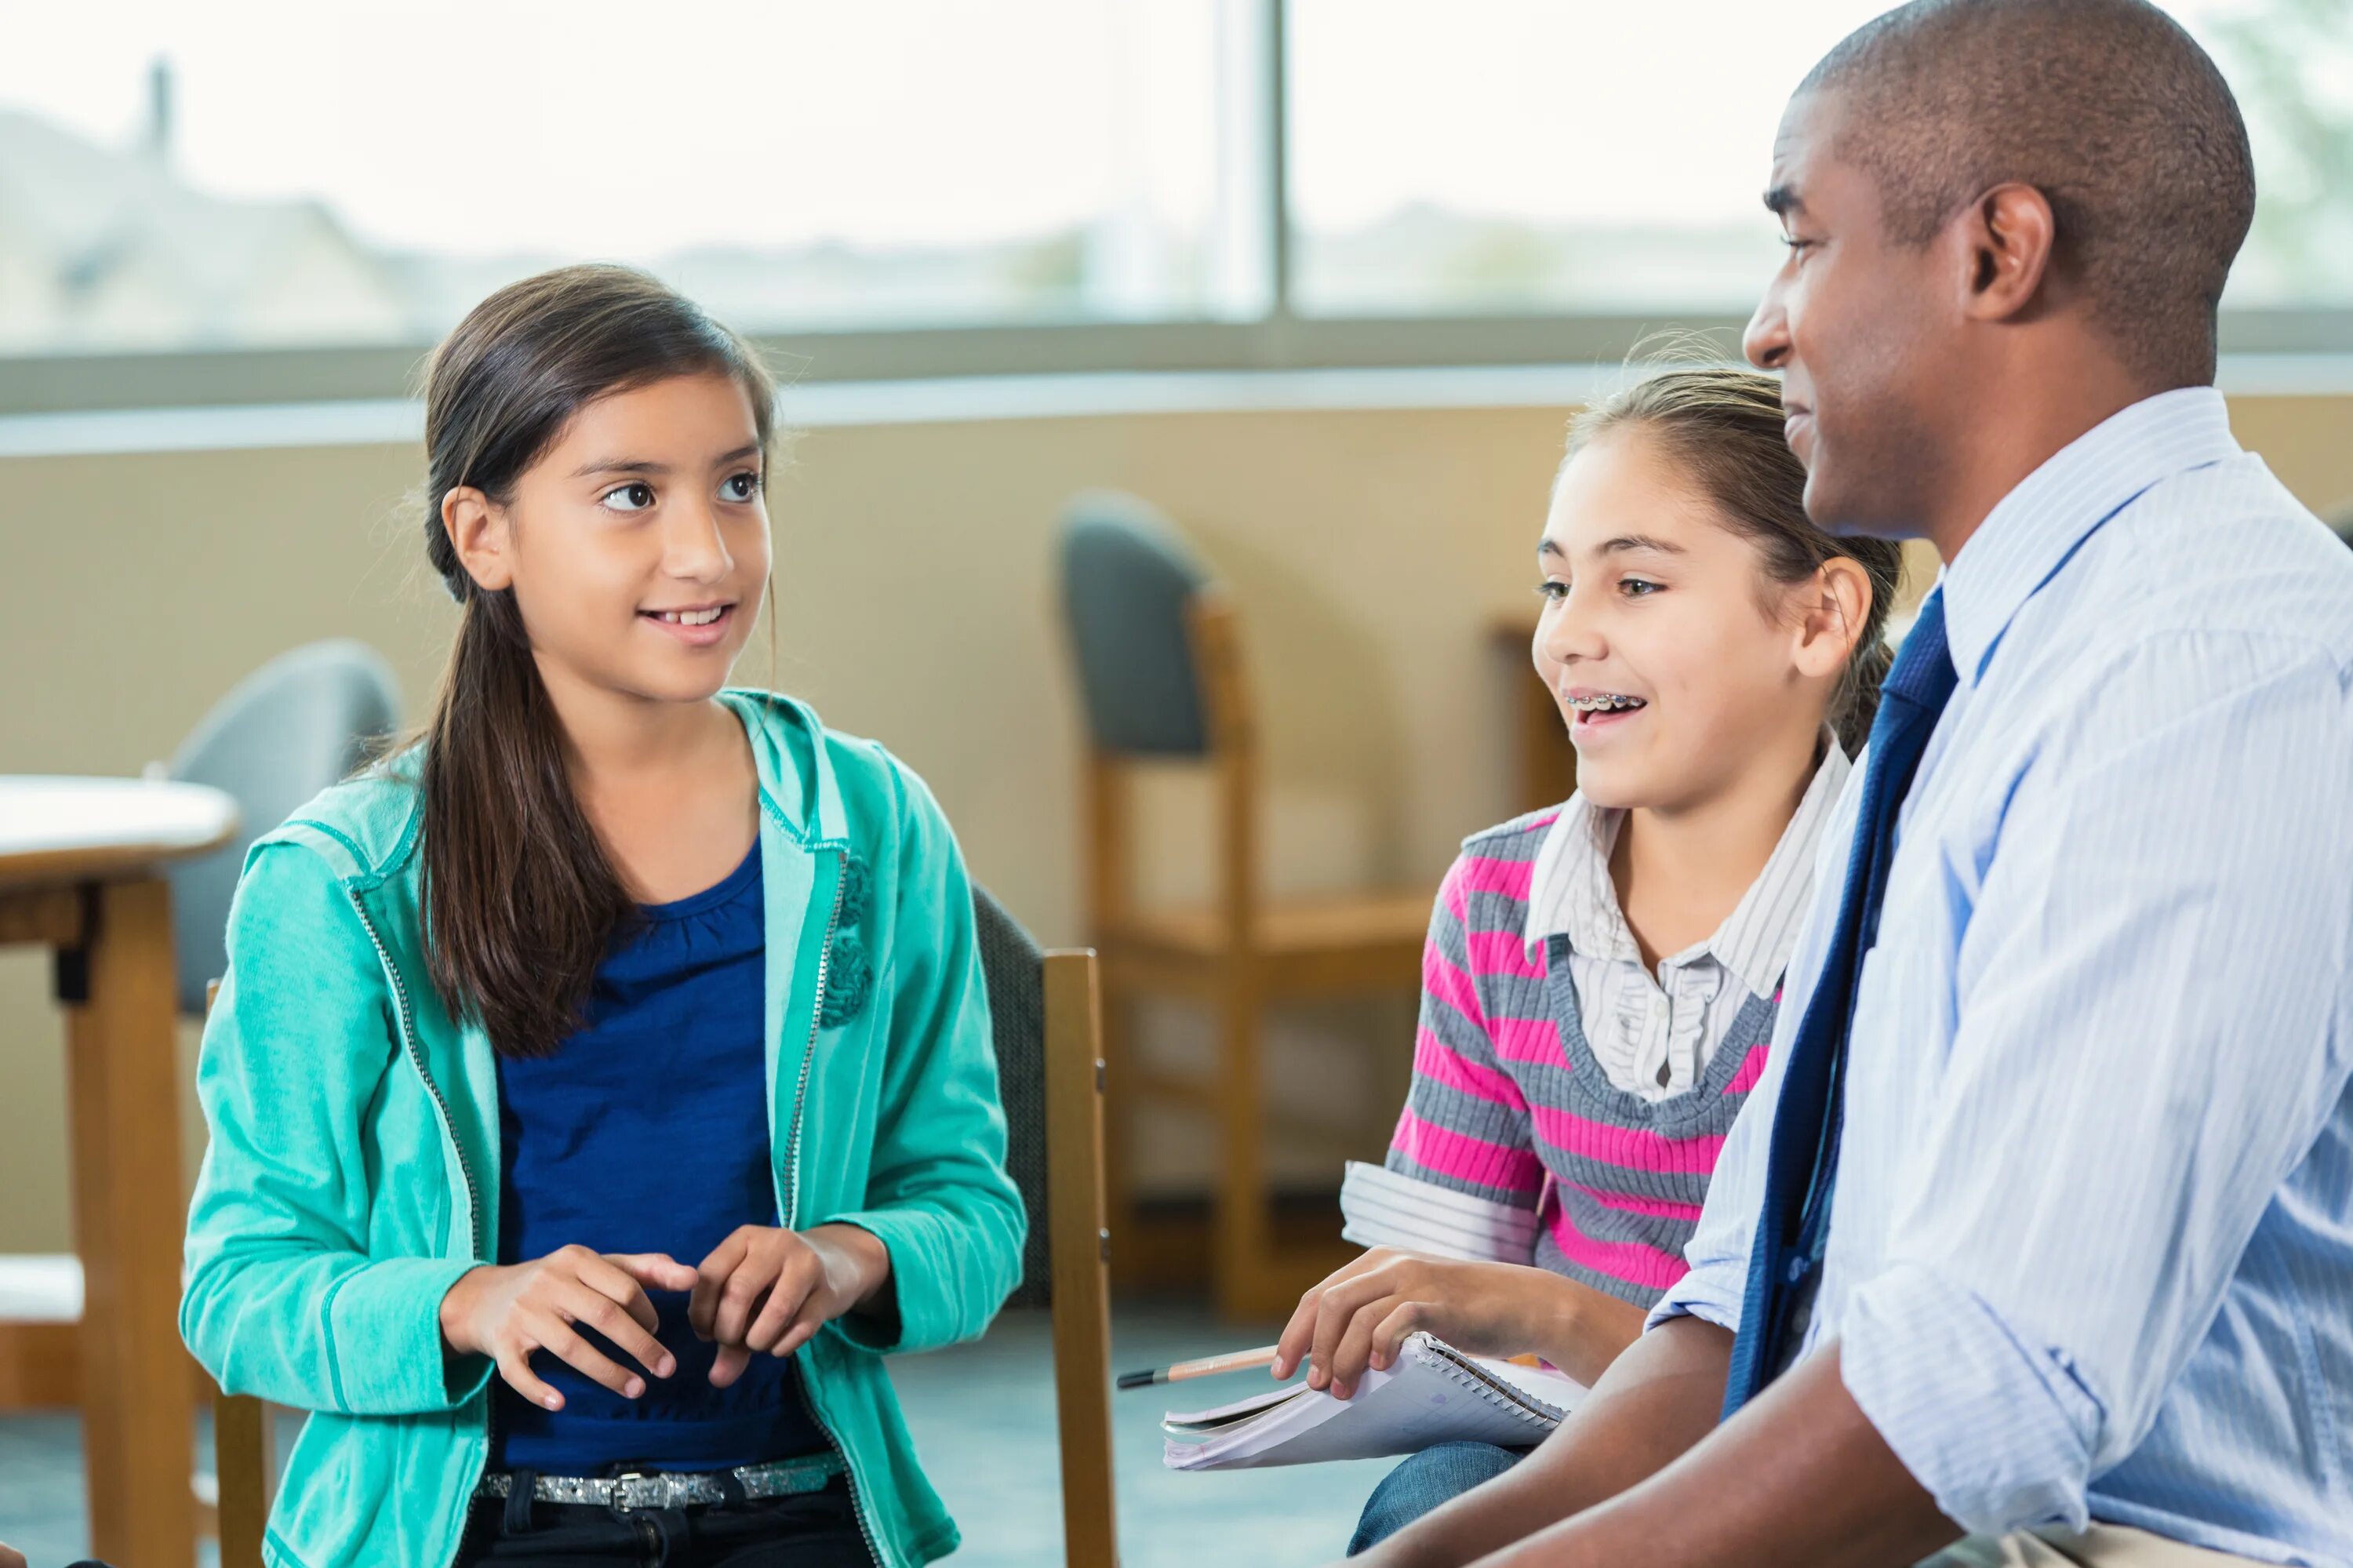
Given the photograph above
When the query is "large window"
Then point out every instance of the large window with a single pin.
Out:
(292, 173)
(1156, 182)
(1520, 155)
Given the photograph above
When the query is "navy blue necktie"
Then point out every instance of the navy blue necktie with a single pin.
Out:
(1800, 1165)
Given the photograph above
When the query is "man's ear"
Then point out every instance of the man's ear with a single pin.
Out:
(480, 533)
(2007, 236)
(1833, 618)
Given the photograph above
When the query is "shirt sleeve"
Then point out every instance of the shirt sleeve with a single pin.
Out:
(938, 1193)
(2142, 1051)
(284, 1296)
(1378, 1207)
(1465, 1127)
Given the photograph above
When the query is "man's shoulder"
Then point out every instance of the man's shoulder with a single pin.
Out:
(2224, 551)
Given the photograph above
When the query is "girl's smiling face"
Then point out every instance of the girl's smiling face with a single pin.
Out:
(1676, 659)
(636, 543)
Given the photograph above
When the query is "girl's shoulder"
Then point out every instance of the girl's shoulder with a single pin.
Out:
(366, 825)
(1500, 863)
(1525, 832)
(830, 785)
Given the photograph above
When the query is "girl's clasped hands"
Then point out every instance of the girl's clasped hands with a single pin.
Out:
(762, 1290)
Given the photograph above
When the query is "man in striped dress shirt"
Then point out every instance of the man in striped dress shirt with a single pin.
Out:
(2086, 1290)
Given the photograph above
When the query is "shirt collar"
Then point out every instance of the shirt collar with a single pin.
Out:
(2032, 531)
(1570, 892)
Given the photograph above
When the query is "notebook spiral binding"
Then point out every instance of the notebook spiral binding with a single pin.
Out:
(1431, 1352)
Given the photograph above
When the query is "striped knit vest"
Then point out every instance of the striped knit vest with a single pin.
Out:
(1510, 1103)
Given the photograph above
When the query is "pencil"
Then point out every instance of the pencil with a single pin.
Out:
(1206, 1366)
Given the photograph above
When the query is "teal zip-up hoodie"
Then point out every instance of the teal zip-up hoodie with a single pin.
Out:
(352, 1173)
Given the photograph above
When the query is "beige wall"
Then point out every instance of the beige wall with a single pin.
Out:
(1369, 550)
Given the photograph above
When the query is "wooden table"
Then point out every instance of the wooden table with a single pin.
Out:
(78, 871)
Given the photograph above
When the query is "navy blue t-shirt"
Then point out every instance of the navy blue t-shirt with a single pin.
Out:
(647, 1131)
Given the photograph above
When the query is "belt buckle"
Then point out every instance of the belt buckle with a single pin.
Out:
(635, 1489)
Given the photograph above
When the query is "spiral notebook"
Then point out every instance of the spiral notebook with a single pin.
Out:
(1432, 1393)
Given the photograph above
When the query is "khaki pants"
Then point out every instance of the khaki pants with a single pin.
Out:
(2101, 1546)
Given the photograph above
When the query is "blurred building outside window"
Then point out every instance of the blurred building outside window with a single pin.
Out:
(1251, 185)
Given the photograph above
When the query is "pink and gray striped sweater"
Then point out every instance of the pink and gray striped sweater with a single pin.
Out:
(1509, 1104)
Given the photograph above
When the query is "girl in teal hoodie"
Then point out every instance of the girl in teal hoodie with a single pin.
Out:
(601, 1085)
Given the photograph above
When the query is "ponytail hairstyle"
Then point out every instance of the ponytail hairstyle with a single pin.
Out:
(521, 901)
(1722, 429)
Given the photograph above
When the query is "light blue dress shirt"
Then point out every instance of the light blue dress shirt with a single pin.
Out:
(2091, 1251)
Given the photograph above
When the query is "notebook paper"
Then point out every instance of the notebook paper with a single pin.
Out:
(1432, 1393)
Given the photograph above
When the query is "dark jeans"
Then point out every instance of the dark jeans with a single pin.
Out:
(1424, 1481)
(816, 1530)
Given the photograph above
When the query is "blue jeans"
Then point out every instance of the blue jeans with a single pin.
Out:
(1422, 1483)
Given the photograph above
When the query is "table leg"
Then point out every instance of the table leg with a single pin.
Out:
(130, 1212)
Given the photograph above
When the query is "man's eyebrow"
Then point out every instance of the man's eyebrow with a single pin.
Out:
(1782, 201)
(1548, 547)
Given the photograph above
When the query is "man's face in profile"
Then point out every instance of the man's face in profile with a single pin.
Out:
(1856, 328)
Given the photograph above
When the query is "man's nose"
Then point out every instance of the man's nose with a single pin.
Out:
(1765, 341)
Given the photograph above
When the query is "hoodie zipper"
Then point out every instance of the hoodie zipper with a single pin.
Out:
(473, 1190)
(792, 1189)
(792, 1172)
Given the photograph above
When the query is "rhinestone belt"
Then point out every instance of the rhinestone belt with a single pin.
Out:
(674, 1489)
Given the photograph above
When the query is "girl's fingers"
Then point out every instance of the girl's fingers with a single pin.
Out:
(1334, 1315)
(739, 1299)
(1291, 1345)
(1405, 1319)
(627, 1332)
(802, 1329)
(1355, 1349)
(794, 1289)
(514, 1366)
(611, 1282)
(729, 1364)
(586, 1359)
(655, 1270)
(711, 1278)
(1298, 1335)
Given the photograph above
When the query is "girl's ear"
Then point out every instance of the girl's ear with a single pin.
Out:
(1834, 609)
(481, 536)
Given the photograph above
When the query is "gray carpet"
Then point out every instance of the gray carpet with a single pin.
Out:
(984, 1419)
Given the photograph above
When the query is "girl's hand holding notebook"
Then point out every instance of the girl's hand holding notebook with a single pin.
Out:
(1430, 1394)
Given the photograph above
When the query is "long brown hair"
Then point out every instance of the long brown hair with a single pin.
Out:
(1722, 429)
(521, 900)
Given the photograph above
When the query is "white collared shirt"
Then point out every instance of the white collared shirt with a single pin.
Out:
(2091, 1246)
(1655, 1034)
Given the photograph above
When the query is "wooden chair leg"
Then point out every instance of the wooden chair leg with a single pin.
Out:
(1082, 1287)
(1117, 1041)
(244, 1464)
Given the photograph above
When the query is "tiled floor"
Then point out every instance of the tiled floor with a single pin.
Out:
(984, 1419)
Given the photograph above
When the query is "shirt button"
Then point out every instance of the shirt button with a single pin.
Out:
(1794, 1271)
